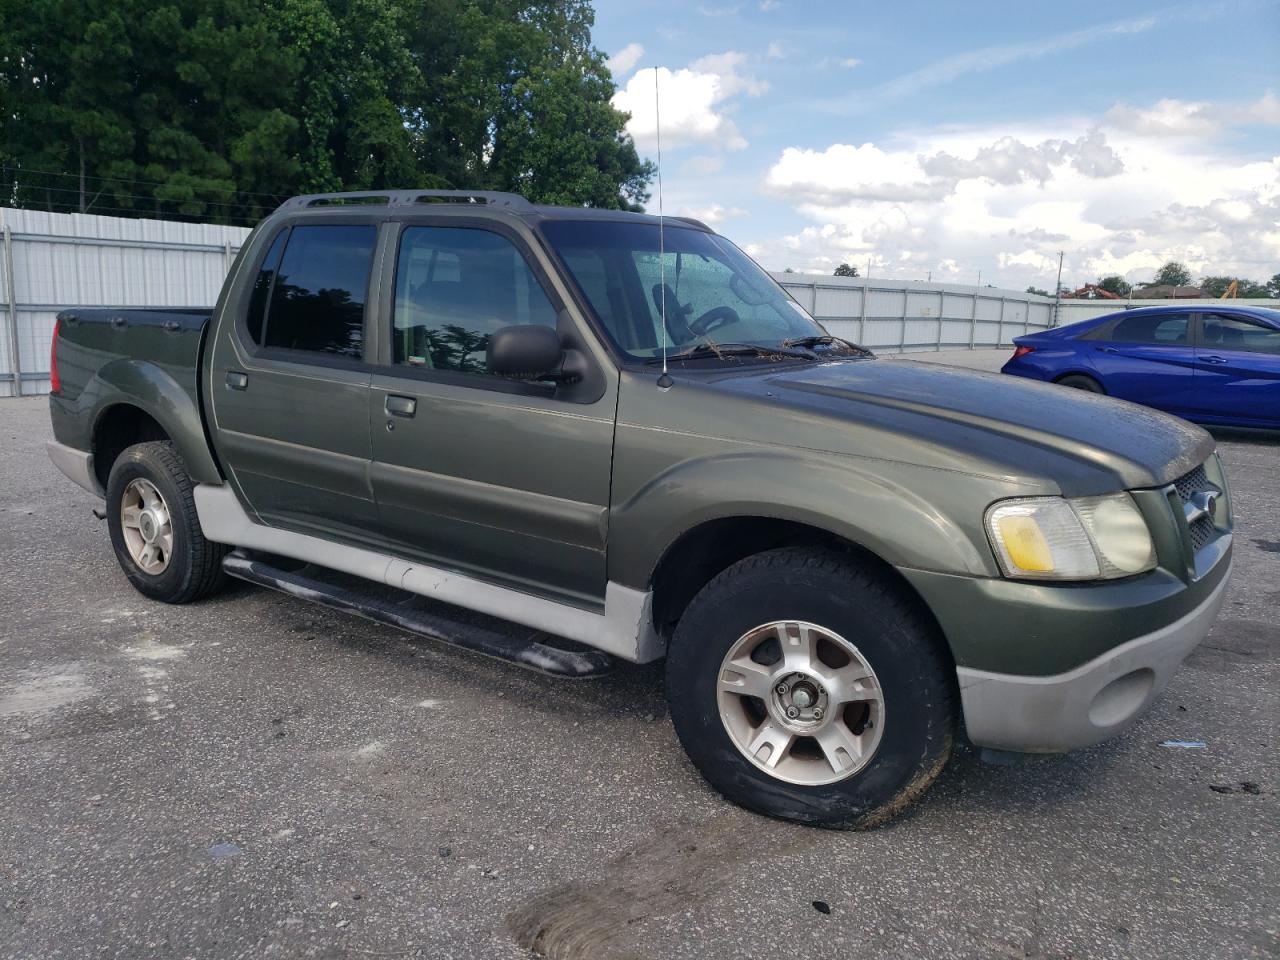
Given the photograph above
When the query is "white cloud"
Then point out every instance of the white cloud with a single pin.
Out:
(850, 62)
(775, 52)
(1005, 201)
(625, 60)
(1184, 118)
(713, 214)
(767, 5)
(843, 172)
(694, 102)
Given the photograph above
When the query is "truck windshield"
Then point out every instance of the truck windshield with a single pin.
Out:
(714, 293)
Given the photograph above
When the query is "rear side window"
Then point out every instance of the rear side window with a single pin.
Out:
(262, 288)
(318, 295)
(454, 287)
(1168, 329)
(1225, 332)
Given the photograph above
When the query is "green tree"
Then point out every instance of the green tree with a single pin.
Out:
(844, 270)
(1245, 289)
(1173, 274)
(1038, 292)
(1114, 283)
(1273, 287)
(218, 109)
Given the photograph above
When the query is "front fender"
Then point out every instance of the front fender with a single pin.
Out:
(155, 391)
(907, 515)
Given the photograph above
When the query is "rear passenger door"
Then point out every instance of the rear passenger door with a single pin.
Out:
(503, 479)
(289, 384)
(1147, 358)
(1237, 370)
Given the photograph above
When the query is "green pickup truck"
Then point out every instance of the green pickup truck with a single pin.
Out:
(563, 436)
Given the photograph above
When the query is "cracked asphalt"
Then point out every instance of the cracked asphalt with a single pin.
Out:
(254, 777)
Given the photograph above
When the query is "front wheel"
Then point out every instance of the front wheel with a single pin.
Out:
(808, 686)
(156, 535)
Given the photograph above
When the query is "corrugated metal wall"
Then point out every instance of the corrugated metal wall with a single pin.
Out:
(64, 260)
(893, 316)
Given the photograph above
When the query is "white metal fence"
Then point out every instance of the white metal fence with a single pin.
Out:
(52, 261)
(895, 316)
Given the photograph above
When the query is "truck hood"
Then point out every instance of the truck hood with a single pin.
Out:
(934, 415)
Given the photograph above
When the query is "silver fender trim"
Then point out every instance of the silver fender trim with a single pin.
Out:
(625, 629)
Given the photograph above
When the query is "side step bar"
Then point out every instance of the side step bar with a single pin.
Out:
(401, 609)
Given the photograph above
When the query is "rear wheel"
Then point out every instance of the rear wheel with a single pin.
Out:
(1081, 382)
(154, 530)
(808, 686)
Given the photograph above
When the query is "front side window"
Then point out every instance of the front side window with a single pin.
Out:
(1226, 332)
(1167, 329)
(318, 296)
(456, 286)
(713, 293)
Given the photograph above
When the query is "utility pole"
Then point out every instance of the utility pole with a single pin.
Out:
(1057, 291)
(979, 278)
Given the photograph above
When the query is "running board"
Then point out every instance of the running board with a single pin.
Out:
(399, 608)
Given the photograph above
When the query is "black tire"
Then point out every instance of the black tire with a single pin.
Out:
(1078, 381)
(195, 565)
(869, 609)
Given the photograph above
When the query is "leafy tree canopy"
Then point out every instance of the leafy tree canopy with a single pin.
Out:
(1114, 283)
(1038, 291)
(1172, 274)
(844, 270)
(1245, 289)
(218, 109)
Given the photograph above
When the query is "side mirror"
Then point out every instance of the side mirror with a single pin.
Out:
(526, 352)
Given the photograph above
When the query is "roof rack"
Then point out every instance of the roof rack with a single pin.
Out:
(408, 197)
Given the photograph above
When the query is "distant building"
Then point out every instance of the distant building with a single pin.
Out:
(1166, 291)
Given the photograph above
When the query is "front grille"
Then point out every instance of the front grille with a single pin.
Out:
(1197, 479)
(1203, 530)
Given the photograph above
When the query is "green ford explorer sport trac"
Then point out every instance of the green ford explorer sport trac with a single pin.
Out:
(468, 416)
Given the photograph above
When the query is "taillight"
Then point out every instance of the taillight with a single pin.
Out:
(1021, 351)
(55, 385)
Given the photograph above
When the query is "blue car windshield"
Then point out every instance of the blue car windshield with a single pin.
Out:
(713, 292)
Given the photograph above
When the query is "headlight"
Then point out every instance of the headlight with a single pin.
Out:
(1049, 538)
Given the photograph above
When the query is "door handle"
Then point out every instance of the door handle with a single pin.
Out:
(399, 406)
(237, 380)
(1213, 359)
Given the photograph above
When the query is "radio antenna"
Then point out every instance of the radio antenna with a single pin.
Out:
(664, 380)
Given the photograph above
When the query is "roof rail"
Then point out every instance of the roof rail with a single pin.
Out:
(407, 197)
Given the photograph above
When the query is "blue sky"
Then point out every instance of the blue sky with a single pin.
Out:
(944, 139)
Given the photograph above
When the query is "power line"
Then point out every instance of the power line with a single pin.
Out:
(279, 198)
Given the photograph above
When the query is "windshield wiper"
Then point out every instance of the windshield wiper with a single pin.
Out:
(707, 349)
(826, 340)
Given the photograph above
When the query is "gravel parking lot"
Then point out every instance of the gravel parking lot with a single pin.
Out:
(253, 777)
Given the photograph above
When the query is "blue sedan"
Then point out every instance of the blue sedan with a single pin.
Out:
(1214, 365)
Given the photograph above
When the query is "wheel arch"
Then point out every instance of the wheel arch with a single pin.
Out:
(132, 401)
(711, 547)
(1087, 374)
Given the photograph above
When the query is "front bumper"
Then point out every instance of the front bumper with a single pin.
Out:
(1094, 701)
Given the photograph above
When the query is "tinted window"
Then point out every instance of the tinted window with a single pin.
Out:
(317, 301)
(1223, 332)
(1161, 328)
(262, 287)
(454, 288)
(714, 293)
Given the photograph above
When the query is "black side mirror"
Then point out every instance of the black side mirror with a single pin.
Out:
(526, 352)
